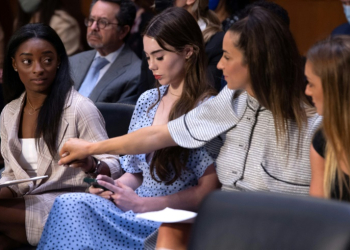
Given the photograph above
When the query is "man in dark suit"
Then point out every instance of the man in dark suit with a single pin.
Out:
(344, 29)
(110, 72)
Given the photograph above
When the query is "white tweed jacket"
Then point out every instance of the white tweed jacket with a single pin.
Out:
(243, 135)
(80, 119)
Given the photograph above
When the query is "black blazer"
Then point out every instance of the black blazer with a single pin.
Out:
(213, 50)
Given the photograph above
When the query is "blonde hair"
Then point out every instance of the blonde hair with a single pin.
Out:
(330, 61)
(200, 10)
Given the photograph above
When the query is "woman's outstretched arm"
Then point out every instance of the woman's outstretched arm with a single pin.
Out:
(144, 140)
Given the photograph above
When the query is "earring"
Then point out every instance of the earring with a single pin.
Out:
(58, 66)
(15, 69)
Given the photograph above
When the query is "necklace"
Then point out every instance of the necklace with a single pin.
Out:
(31, 106)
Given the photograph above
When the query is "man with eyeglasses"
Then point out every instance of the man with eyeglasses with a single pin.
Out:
(111, 71)
(344, 29)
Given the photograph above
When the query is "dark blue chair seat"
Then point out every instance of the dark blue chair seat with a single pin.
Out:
(257, 221)
(117, 117)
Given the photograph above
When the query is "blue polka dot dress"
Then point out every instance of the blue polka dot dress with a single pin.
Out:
(86, 221)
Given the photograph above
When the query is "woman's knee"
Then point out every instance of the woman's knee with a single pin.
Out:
(173, 235)
(12, 211)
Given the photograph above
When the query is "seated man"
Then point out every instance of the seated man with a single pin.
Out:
(110, 72)
(344, 29)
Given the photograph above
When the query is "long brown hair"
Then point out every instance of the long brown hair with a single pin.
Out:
(330, 60)
(275, 66)
(177, 28)
(200, 10)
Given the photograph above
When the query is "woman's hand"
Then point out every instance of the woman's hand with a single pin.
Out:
(99, 191)
(124, 197)
(86, 164)
(73, 150)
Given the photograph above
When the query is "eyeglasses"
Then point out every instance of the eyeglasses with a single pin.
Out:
(101, 23)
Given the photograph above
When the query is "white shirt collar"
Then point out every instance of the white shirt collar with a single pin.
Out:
(202, 24)
(111, 57)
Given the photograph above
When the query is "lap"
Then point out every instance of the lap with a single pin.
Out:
(80, 204)
(100, 223)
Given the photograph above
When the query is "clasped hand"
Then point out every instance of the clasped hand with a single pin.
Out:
(74, 150)
(120, 194)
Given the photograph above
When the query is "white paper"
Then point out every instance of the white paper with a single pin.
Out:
(169, 215)
(9, 183)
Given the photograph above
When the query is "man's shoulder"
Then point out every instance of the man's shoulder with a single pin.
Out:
(82, 55)
(131, 54)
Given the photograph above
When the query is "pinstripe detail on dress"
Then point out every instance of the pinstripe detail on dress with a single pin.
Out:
(244, 137)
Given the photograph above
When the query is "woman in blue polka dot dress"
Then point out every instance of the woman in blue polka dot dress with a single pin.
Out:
(173, 177)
